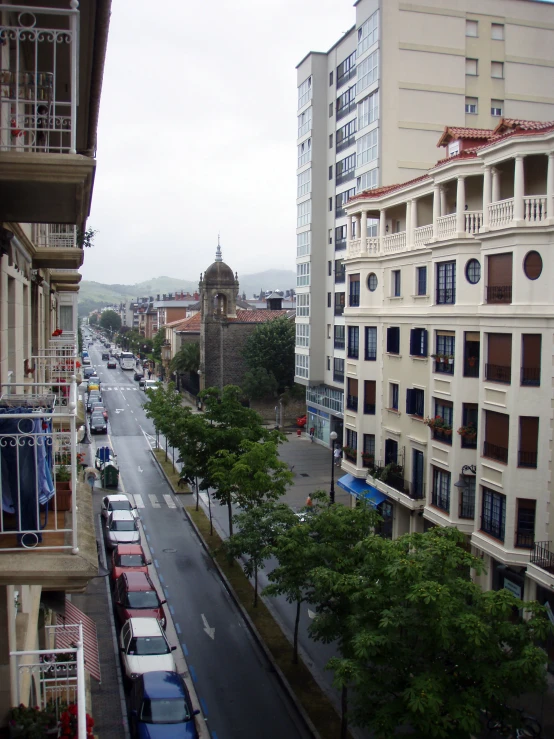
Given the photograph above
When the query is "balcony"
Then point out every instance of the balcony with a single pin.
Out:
(525, 539)
(394, 242)
(344, 111)
(443, 434)
(499, 294)
(531, 376)
(345, 143)
(423, 235)
(56, 247)
(501, 213)
(343, 79)
(527, 459)
(492, 451)
(66, 280)
(498, 373)
(543, 556)
(345, 177)
(42, 178)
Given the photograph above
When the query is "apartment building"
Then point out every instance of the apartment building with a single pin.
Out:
(51, 71)
(449, 329)
(370, 111)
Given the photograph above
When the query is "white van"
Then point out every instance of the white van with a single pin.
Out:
(151, 384)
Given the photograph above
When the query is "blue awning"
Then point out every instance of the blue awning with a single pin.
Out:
(360, 489)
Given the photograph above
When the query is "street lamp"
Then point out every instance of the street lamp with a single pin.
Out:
(333, 437)
(166, 357)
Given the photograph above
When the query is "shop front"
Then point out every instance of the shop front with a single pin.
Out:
(319, 421)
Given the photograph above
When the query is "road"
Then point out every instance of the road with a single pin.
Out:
(239, 693)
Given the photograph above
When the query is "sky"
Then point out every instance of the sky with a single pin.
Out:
(197, 134)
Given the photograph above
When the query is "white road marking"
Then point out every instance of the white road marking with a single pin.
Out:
(140, 469)
(138, 500)
(210, 631)
(204, 498)
(154, 501)
(169, 500)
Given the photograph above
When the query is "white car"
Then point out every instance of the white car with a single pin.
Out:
(121, 528)
(144, 647)
(118, 502)
(151, 384)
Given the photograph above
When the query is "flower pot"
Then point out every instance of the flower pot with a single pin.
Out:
(450, 361)
(63, 495)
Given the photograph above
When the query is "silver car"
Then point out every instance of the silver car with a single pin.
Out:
(121, 528)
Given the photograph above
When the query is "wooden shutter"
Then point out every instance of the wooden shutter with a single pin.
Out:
(369, 392)
(352, 387)
(497, 429)
(500, 269)
(528, 434)
(410, 401)
(531, 350)
(393, 339)
(500, 349)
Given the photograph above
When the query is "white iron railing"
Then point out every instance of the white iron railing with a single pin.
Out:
(423, 235)
(473, 220)
(38, 80)
(394, 242)
(534, 208)
(446, 226)
(501, 213)
(43, 682)
(58, 362)
(55, 235)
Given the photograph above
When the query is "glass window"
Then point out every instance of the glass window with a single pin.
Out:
(305, 92)
(338, 337)
(366, 148)
(338, 370)
(473, 271)
(441, 489)
(346, 102)
(368, 33)
(305, 122)
(446, 283)
(303, 334)
(302, 274)
(421, 280)
(445, 343)
(353, 342)
(340, 237)
(372, 282)
(497, 108)
(368, 181)
(532, 265)
(345, 168)
(303, 243)
(370, 343)
(143, 599)
(418, 342)
(471, 105)
(368, 72)
(148, 646)
(302, 364)
(352, 439)
(304, 213)
(393, 396)
(354, 293)
(341, 199)
(395, 286)
(393, 340)
(304, 152)
(304, 183)
(346, 69)
(303, 304)
(493, 519)
(368, 110)
(160, 711)
(346, 135)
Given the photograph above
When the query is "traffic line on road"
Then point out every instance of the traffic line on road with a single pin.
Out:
(177, 628)
(138, 500)
(204, 706)
(184, 648)
(172, 610)
(193, 673)
(161, 577)
(147, 537)
(154, 500)
(169, 500)
(156, 565)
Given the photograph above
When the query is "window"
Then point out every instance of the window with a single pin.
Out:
(471, 67)
(467, 498)
(338, 370)
(393, 396)
(303, 334)
(472, 353)
(525, 524)
(305, 122)
(471, 105)
(303, 243)
(368, 72)
(328, 330)
(528, 441)
(372, 282)
(329, 299)
(330, 236)
(368, 110)
(532, 265)
(368, 33)
(370, 388)
(329, 268)
(370, 343)
(339, 303)
(353, 342)
(302, 364)
(473, 271)
(497, 70)
(331, 79)
(303, 304)
(415, 402)
(497, 108)
(345, 169)
(391, 451)
(499, 359)
(445, 411)
(441, 489)
(352, 394)
(346, 102)
(366, 148)
(331, 140)
(395, 283)
(417, 489)
(304, 183)
(331, 107)
(497, 434)
(302, 274)
(497, 31)
(352, 439)
(330, 171)
(340, 201)
(340, 237)
(368, 181)
(446, 283)
(472, 28)
(393, 340)
(499, 289)
(338, 342)
(421, 280)
(305, 92)
(493, 515)
(330, 204)
(354, 293)
(444, 358)
(328, 362)
(346, 135)
(369, 447)
(418, 342)
(346, 69)
(305, 152)
(304, 213)
(531, 359)
(340, 271)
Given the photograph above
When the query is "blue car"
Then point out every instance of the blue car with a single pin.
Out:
(161, 707)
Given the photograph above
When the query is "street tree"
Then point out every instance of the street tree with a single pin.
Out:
(420, 644)
(110, 320)
(258, 384)
(93, 319)
(187, 359)
(157, 343)
(164, 405)
(271, 347)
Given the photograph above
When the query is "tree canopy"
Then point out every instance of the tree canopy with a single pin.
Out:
(110, 320)
(187, 359)
(157, 343)
(270, 347)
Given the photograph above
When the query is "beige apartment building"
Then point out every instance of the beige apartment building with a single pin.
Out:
(370, 112)
(449, 345)
(51, 67)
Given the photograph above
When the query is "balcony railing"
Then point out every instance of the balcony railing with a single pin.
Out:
(473, 220)
(369, 409)
(525, 539)
(446, 226)
(345, 143)
(423, 235)
(501, 213)
(492, 451)
(498, 373)
(499, 293)
(55, 235)
(391, 475)
(38, 92)
(535, 208)
(531, 376)
(527, 459)
(543, 556)
(352, 402)
(444, 368)
(444, 435)
(394, 242)
(345, 176)
(344, 111)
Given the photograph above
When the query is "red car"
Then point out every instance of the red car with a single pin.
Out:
(136, 597)
(128, 558)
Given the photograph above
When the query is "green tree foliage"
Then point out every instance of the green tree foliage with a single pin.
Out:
(165, 407)
(93, 319)
(110, 320)
(157, 343)
(259, 384)
(271, 347)
(187, 359)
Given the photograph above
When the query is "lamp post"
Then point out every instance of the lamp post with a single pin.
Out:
(166, 357)
(333, 437)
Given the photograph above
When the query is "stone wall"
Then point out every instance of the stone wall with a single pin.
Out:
(292, 410)
(223, 349)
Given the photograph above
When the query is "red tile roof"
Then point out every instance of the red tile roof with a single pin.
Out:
(191, 324)
(512, 124)
(455, 133)
(258, 316)
(386, 189)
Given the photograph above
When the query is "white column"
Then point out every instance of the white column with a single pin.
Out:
(363, 230)
(443, 201)
(460, 205)
(550, 188)
(436, 210)
(487, 185)
(495, 185)
(409, 225)
(348, 232)
(382, 225)
(358, 225)
(518, 190)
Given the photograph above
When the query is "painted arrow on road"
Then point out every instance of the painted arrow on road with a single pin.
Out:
(119, 410)
(210, 631)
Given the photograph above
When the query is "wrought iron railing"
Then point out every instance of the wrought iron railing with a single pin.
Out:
(498, 373)
(527, 459)
(543, 556)
(531, 376)
(471, 367)
(493, 451)
(525, 539)
(467, 505)
(499, 293)
(493, 527)
(369, 409)
(441, 500)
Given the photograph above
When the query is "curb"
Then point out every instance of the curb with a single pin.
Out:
(252, 628)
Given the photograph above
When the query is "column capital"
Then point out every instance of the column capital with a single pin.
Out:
(551, 154)
(519, 157)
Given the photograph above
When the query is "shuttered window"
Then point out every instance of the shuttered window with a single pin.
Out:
(369, 397)
(393, 340)
(497, 434)
(499, 287)
(531, 359)
(415, 402)
(391, 451)
(528, 441)
(499, 358)
(352, 396)
(418, 342)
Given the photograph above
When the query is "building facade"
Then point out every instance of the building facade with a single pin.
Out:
(369, 113)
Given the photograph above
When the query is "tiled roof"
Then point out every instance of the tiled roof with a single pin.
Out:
(454, 133)
(189, 324)
(258, 316)
(386, 189)
(511, 124)
(466, 154)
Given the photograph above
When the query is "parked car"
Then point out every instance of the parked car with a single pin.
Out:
(112, 364)
(89, 372)
(98, 424)
(138, 375)
(144, 647)
(118, 502)
(161, 707)
(105, 356)
(85, 361)
(135, 597)
(151, 384)
(128, 558)
(142, 383)
(121, 528)
(99, 408)
(93, 397)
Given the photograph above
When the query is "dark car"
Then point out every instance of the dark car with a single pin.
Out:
(161, 707)
(89, 372)
(98, 424)
(138, 375)
(99, 408)
(92, 399)
(112, 364)
(105, 356)
(135, 597)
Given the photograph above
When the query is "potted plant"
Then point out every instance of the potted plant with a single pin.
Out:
(450, 359)
(63, 488)
(30, 722)
(438, 424)
(468, 432)
(471, 361)
(349, 453)
(68, 723)
(368, 460)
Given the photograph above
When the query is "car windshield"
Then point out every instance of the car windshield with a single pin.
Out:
(123, 526)
(148, 645)
(164, 711)
(98, 419)
(131, 560)
(143, 599)
(119, 505)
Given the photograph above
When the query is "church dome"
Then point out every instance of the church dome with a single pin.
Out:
(219, 273)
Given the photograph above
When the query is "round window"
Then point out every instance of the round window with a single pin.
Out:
(473, 271)
(372, 281)
(532, 265)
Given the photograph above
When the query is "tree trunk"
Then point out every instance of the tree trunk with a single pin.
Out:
(344, 713)
(255, 586)
(197, 492)
(210, 512)
(166, 448)
(230, 508)
(296, 626)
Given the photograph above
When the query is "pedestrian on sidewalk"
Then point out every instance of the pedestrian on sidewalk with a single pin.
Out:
(338, 456)
(312, 434)
(309, 502)
(149, 374)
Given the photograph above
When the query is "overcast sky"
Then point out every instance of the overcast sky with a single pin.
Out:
(197, 134)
